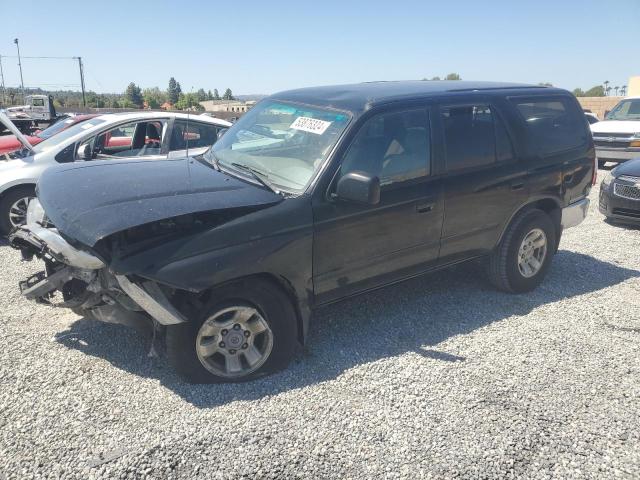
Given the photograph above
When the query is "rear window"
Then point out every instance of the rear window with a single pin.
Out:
(554, 124)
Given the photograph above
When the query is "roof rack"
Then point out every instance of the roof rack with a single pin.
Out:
(515, 87)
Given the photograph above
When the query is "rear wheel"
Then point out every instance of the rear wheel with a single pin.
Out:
(246, 330)
(523, 257)
(13, 208)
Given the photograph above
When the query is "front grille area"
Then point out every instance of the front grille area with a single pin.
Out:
(626, 136)
(616, 144)
(626, 212)
(631, 192)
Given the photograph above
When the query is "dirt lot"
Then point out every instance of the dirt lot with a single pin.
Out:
(437, 377)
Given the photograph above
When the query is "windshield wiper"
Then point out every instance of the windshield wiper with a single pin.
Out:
(211, 158)
(257, 175)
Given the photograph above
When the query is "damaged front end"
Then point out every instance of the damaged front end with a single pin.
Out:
(80, 280)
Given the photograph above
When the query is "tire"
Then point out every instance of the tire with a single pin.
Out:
(504, 269)
(271, 305)
(7, 201)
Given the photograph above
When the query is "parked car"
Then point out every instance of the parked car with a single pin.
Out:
(617, 138)
(142, 135)
(620, 193)
(11, 143)
(314, 195)
(591, 117)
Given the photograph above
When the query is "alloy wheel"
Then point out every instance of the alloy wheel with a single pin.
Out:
(234, 342)
(18, 211)
(532, 253)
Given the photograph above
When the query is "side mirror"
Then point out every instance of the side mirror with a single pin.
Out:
(84, 152)
(359, 187)
(222, 132)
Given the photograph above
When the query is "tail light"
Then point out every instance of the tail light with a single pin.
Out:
(594, 177)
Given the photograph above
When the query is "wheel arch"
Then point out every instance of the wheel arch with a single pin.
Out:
(15, 186)
(550, 205)
(281, 283)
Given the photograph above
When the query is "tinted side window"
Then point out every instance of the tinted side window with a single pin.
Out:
(470, 136)
(552, 123)
(394, 146)
(197, 134)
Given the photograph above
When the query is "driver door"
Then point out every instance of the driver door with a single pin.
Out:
(359, 247)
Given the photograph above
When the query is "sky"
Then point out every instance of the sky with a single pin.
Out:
(261, 47)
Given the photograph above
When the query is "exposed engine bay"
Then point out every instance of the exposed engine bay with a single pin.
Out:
(76, 279)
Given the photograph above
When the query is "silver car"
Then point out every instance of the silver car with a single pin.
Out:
(137, 135)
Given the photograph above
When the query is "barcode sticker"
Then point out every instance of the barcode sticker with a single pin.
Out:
(310, 125)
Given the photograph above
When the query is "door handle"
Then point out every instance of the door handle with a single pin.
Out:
(425, 207)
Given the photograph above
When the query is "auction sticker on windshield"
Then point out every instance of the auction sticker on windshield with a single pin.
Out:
(311, 125)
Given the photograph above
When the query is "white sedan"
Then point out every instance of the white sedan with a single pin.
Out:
(137, 135)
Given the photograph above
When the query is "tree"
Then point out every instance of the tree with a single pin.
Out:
(606, 85)
(616, 88)
(623, 90)
(133, 95)
(201, 94)
(228, 95)
(216, 95)
(453, 76)
(189, 101)
(578, 92)
(209, 95)
(597, 91)
(173, 92)
(154, 97)
(607, 91)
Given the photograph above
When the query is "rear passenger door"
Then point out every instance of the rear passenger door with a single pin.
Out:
(484, 181)
(192, 136)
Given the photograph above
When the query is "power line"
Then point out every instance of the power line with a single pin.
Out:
(51, 58)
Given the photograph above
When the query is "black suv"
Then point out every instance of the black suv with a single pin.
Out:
(312, 196)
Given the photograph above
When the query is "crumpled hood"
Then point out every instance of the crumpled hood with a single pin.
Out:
(616, 126)
(91, 200)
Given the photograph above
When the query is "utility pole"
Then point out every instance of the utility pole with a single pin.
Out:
(15, 40)
(4, 92)
(84, 101)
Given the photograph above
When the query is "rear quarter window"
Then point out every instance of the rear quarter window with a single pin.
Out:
(553, 124)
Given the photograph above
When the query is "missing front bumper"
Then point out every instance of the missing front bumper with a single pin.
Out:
(84, 280)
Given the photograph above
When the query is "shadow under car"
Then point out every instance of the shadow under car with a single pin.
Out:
(415, 315)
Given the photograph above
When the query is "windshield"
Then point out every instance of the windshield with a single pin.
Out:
(56, 128)
(626, 110)
(65, 134)
(283, 143)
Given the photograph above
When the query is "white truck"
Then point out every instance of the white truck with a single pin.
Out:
(617, 138)
(38, 109)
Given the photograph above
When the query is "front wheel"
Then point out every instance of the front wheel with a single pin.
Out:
(13, 208)
(246, 330)
(520, 262)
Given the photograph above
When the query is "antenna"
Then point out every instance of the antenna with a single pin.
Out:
(187, 129)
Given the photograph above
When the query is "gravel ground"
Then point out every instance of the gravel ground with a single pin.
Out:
(439, 377)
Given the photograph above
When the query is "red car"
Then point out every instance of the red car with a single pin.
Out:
(10, 143)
